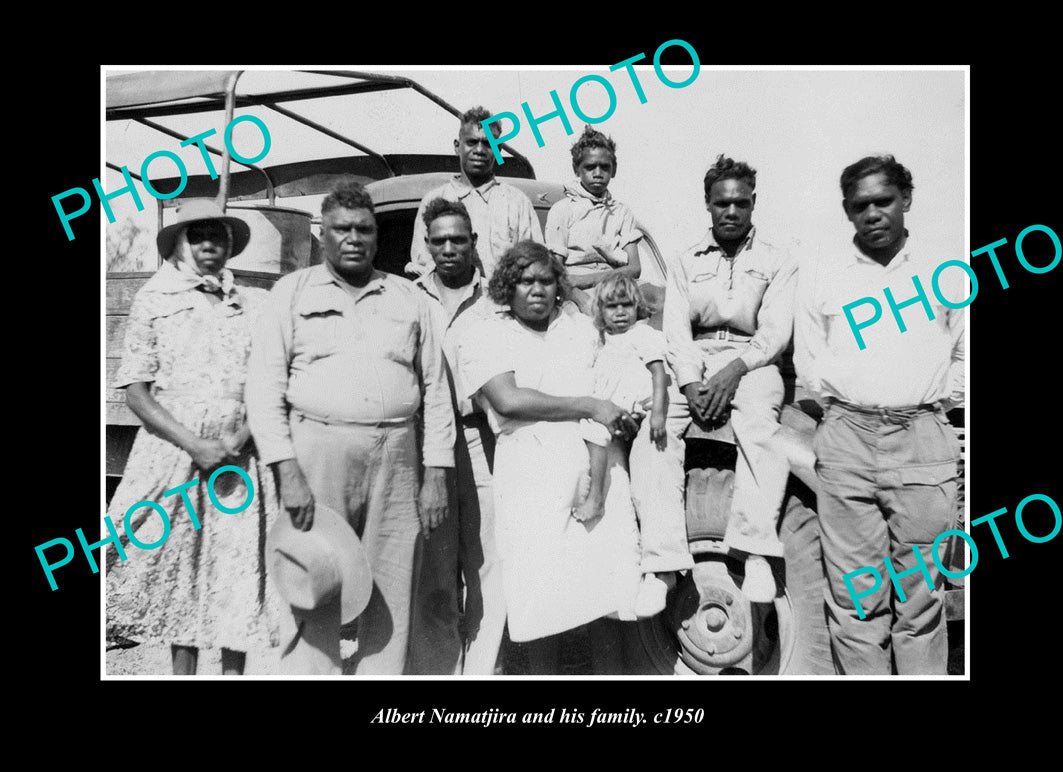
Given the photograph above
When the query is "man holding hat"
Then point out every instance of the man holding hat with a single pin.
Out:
(343, 360)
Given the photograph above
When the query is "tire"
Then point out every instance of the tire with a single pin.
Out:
(805, 585)
(789, 637)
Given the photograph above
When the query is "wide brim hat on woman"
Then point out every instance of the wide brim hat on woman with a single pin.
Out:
(309, 568)
(198, 210)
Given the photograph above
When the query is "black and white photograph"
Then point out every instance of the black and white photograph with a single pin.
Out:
(567, 406)
(529, 393)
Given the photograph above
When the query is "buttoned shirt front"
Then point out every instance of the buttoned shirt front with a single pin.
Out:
(473, 306)
(752, 293)
(347, 355)
(580, 220)
(501, 216)
(923, 365)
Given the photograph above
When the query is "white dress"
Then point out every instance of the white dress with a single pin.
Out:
(557, 572)
(620, 367)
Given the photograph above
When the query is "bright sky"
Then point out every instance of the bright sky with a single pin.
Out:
(798, 128)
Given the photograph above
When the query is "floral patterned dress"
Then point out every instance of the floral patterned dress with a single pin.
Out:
(204, 587)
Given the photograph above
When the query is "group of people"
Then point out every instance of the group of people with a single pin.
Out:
(503, 436)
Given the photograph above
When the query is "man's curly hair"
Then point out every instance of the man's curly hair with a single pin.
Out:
(346, 195)
(729, 169)
(474, 115)
(440, 207)
(896, 173)
(589, 140)
(515, 261)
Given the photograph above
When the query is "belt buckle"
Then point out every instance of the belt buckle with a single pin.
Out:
(722, 333)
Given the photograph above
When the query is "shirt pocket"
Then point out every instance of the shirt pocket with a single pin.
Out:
(320, 329)
(703, 276)
(395, 335)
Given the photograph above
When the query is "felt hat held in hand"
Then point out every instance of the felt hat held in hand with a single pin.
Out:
(308, 568)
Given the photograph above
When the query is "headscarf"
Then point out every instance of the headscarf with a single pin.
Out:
(221, 283)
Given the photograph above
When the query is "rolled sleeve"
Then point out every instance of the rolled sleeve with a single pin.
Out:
(628, 232)
(267, 378)
(775, 318)
(439, 432)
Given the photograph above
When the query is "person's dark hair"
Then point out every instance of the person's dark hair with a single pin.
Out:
(514, 262)
(440, 207)
(896, 173)
(474, 115)
(729, 169)
(347, 195)
(589, 140)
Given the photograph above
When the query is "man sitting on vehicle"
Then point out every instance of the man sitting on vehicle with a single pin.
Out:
(501, 214)
(728, 315)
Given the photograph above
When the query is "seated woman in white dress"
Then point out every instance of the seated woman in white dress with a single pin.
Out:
(530, 368)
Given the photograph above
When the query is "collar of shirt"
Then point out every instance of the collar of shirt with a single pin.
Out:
(169, 280)
(709, 243)
(463, 189)
(907, 254)
(575, 190)
(473, 289)
(325, 276)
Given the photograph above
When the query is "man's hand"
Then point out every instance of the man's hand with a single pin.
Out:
(296, 497)
(697, 400)
(432, 504)
(721, 388)
(617, 420)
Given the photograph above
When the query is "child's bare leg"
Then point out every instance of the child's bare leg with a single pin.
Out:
(593, 504)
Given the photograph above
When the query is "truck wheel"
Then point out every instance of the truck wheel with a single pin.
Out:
(805, 584)
(711, 628)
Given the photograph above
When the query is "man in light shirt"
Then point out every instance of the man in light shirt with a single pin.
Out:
(728, 316)
(457, 294)
(885, 453)
(343, 358)
(501, 214)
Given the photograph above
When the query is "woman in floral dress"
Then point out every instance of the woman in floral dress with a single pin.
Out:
(183, 368)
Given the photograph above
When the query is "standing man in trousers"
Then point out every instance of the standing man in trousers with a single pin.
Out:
(885, 452)
(343, 359)
(457, 293)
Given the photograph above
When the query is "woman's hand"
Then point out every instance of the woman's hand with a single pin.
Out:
(234, 443)
(619, 422)
(208, 455)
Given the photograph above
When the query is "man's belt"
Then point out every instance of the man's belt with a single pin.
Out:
(903, 412)
(722, 332)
